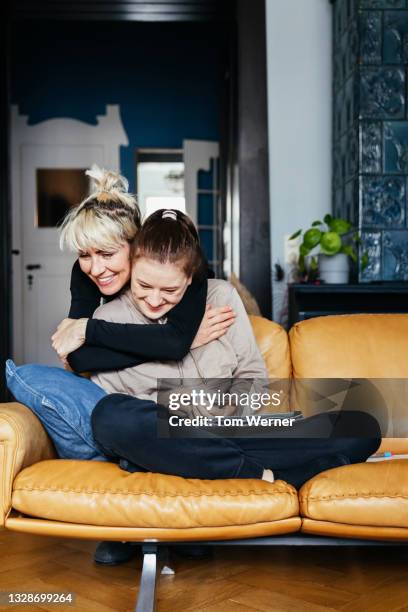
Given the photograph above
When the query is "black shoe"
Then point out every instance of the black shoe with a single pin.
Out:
(115, 553)
(193, 552)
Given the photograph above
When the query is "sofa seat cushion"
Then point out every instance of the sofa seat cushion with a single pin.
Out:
(371, 494)
(99, 493)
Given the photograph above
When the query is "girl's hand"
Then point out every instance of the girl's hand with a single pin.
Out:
(215, 323)
(70, 335)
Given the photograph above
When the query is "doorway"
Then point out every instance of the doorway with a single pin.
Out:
(186, 179)
(160, 180)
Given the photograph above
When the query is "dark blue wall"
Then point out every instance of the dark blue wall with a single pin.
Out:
(166, 77)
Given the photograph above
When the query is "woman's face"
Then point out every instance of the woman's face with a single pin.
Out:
(157, 287)
(109, 270)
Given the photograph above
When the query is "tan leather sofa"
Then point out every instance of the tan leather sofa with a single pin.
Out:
(48, 496)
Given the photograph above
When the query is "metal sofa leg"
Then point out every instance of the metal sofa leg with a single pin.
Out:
(153, 561)
(147, 591)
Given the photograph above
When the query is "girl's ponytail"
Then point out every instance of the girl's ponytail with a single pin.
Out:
(169, 235)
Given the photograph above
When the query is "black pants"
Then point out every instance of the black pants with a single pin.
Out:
(126, 428)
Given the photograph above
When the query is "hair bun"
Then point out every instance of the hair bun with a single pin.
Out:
(107, 180)
(109, 185)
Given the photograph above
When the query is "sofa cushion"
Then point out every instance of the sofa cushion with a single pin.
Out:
(273, 343)
(359, 346)
(100, 493)
(350, 346)
(361, 532)
(371, 494)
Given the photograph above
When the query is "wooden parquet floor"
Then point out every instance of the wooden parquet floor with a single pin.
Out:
(237, 579)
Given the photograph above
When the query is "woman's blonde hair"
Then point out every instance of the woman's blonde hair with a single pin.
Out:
(108, 217)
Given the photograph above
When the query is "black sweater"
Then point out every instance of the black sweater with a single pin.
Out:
(114, 346)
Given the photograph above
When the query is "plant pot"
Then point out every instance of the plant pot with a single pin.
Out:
(334, 268)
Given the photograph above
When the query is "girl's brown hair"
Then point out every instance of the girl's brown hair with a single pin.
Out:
(169, 235)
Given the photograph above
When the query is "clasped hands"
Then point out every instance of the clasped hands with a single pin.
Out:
(70, 335)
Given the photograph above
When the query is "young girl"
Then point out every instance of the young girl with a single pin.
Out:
(167, 257)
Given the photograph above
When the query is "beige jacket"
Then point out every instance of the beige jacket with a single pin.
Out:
(234, 355)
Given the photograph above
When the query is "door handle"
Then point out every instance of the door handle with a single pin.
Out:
(33, 267)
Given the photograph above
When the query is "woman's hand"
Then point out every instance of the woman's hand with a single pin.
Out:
(215, 323)
(70, 335)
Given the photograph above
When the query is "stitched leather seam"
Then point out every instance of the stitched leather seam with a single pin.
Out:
(3, 510)
(353, 496)
(125, 492)
(14, 445)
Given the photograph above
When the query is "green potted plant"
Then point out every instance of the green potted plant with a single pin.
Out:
(328, 252)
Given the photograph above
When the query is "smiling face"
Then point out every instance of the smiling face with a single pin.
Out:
(157, 287)
(109, 270)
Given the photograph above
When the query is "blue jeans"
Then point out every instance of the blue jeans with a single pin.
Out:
(63, 402)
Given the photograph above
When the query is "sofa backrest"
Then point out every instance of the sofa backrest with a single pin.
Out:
(350, 346)
(342, 346)
(372, 346)
(273, 342)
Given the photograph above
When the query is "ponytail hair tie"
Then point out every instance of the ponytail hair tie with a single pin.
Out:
(169, 214)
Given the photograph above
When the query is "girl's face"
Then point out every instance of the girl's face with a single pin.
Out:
(109, 270)
(157, 287)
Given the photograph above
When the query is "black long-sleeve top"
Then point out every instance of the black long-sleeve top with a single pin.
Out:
(113, 346)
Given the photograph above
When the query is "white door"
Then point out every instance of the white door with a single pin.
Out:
(55, 150)
(45, 268)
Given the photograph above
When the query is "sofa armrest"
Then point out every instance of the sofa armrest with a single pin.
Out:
(23, 441)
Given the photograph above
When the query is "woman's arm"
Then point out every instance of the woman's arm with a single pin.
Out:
(155, 341)
(100, 359)
(116, 345)
(170, 341)
(85, 295)
(110, 346)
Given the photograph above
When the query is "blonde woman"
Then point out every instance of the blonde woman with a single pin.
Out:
(101, 231)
